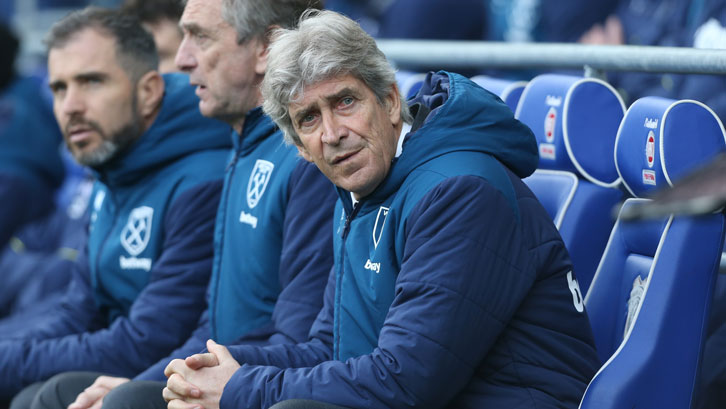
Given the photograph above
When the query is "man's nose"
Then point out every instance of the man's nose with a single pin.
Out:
(333, 130)
(184, 59)
(73, 102)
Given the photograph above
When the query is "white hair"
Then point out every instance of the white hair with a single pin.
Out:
(325, 45)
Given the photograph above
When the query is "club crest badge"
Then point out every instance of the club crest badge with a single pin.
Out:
(258, 181)
(135, 236)
(650, 149)
(380, 224)
(549, 125)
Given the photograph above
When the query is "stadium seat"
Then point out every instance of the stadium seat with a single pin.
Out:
(508, 91)
(649, 301)
(409, 82)
(575, 121)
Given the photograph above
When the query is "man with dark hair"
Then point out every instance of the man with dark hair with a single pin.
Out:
(451, 286)
(273, 238)
(161, 18)
(159, 166)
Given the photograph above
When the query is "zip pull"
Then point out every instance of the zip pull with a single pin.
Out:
(349, 218)
(232, 163)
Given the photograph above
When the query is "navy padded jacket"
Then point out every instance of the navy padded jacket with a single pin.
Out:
(139, 287)
(451, 285)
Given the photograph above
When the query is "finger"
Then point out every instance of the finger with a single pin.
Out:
(98, 404)
(177, 384)
(88, 397)
(169, 395)
(180, 404)
(109, 382)
(198, 361)
(175, 366)
(220, 351)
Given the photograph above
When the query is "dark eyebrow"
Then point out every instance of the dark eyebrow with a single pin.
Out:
(93, 75)
(342, 93)
(303, 113)
(82, 77)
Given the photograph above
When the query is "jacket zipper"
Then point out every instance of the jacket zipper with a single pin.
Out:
(346, 229)
(229, 175)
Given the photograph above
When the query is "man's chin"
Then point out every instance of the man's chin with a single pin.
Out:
(95, 157)
(206, 109)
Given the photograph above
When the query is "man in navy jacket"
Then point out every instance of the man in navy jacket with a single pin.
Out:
(451, 286)
(159, 164)
(273, 235)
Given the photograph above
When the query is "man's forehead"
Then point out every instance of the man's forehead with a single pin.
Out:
(326, 89)
(204, 15)
(87, 50)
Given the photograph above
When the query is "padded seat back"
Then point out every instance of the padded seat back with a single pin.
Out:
(575, 121)
(509, 91)
(649, 301)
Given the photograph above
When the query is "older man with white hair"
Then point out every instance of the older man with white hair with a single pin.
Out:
(451, 286)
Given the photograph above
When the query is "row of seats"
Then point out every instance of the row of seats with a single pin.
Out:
(649, 283)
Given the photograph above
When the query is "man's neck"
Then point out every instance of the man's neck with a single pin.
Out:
(238, 125)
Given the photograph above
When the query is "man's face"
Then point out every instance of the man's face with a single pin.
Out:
(227, 74)
(94, 100)
(347, 132)
(167, 38)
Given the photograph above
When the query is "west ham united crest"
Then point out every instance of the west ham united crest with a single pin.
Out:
(258, 181)
(135, 236)
(380, 224)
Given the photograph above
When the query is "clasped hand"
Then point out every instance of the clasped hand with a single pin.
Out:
(198, 381)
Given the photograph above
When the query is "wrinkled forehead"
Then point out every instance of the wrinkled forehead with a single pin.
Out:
(204, 16)
(326, 89)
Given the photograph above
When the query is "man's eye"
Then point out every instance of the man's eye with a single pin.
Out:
(91, 81)
(199, 37)
(57, 89)
(346, 101)
(307, 119)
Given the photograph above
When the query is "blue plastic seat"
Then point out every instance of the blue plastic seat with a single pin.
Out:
(575, 121)
(509, 91)
(649, 301)
(409, 82)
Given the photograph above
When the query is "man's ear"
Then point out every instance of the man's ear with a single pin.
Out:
(262, 48)
(149, 91)
(393, 104)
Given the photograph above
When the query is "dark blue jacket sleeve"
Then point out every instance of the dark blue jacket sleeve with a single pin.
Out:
(73, 312)
(22, 202)
(318, 349)
(196, 343)
(441, 323)
(306, 258)
(164, 313)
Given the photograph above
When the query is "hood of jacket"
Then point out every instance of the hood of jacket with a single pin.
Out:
(178, 130)
(257, 128)
(458, 115)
